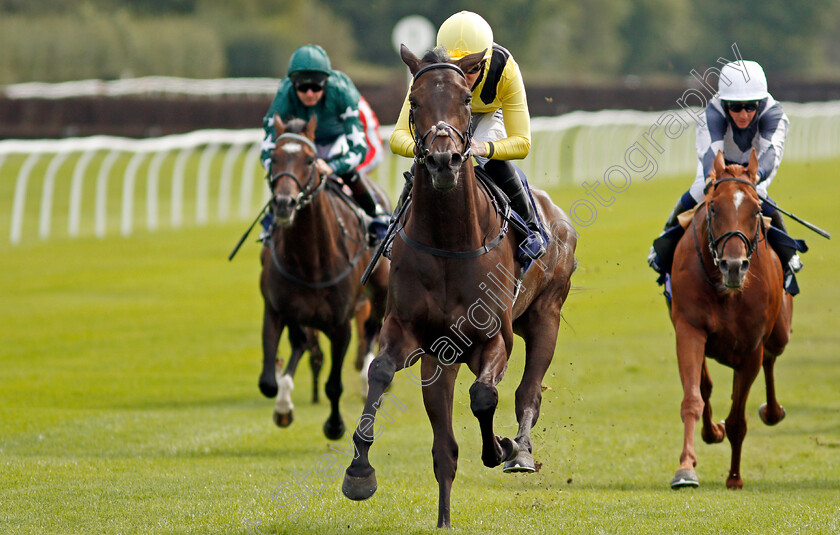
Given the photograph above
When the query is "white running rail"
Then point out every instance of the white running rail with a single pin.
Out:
(565, 150)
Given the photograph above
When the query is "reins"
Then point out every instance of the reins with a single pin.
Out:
(307, 192)
(719, 242)
(422, 150)
(304, 198)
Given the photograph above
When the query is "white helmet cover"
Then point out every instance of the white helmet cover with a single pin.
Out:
(746, 82)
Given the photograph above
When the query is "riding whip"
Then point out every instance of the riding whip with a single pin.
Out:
(244, 236)
(815, 228)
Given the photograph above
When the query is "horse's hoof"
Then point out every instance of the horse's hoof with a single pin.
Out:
(283, 420)
(685, 478)
(268, 388)
(359, 488)
(762, 413)
(734, 483)
(334, 432)
(524, 462)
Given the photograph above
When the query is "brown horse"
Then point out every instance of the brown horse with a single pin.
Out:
(453, 295)
(311, 267)
(728, 303)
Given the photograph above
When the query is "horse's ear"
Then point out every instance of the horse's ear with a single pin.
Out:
(468, 62)
(309, 131)
(279, 127)
(410, 59)
(720, 164)
(752, 168)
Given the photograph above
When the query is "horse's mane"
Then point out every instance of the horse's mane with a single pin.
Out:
(436, 55)
(735, 169)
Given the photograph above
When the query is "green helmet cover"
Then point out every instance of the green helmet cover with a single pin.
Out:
(310, 58)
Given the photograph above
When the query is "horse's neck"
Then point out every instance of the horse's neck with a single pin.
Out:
(310, 240)
(452, 220)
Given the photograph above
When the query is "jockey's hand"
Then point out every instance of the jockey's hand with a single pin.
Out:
(478, 148)
(324, 168)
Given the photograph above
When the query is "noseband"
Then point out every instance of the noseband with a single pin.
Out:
(307, 192)
(720, 241)
(441, 129)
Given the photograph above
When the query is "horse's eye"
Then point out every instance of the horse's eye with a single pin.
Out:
(310, 160)
(712, 208)
(468, 100)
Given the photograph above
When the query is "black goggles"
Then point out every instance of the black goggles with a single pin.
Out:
(477, 68)
(303, 87)
(745, 106)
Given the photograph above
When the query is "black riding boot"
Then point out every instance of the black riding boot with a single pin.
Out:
(776, 220)
(365, 198)
(666, 246)
(504, 175)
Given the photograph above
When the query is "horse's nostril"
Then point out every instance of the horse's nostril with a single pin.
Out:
(745, 265)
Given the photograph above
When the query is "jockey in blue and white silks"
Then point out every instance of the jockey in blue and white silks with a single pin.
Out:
(742, 116)
(766, 134)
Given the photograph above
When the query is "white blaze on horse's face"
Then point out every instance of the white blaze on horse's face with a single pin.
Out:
(738, 198)
(291, 148)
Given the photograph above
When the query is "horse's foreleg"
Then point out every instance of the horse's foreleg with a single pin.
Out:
(690, 354)
(483, 401)
(360, 477)
(711, 432)
(736, 422)
(272, 328)
(339, 340)
(438, 399)
(283, 407)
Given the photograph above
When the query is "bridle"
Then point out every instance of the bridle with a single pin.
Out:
(719, 242)
(307, 192)
(442, 128)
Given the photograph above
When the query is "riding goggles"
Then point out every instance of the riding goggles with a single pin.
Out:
(303, 87)
(736, 107)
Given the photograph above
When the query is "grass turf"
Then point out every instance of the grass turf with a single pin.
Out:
(129, 401)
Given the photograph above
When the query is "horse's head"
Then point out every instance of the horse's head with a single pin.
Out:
(440, 113)
(293, 175)
(734, 211)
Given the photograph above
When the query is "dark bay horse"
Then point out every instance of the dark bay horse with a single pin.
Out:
(728, 304)
(311, 268)
(453, 294)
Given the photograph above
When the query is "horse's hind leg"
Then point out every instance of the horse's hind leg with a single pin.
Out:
(339, 340)
(438, 399)
(272, 328)
(736, 422)
(711, 432)
(283, 407)
(771, 412)
(540, 341)
(316, 362)
(363, 346)
(484, 398)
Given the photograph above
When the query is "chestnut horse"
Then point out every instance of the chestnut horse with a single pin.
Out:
(728, 304)
(453, 295)
(311, 267)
